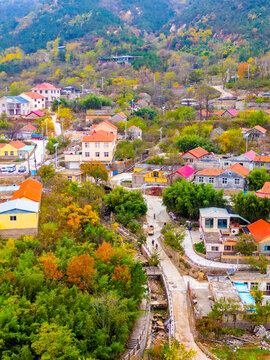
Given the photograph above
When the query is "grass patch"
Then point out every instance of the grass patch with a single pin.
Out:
(200, 248)
(227, 353)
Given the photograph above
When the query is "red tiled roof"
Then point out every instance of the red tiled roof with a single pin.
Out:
(45, 86)
(36, 112)
(29, 189)
(33, 95)
(99, 136)
(17, 144)
(185, 171)
(261, 158)
(250, 155)
(264, 191)
(239, 169)
(260, 230)
(30, 127)
(209, 172)
(260, 128)
(198, 152)
(136, 127)
(108, 123)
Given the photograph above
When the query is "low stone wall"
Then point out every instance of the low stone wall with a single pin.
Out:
(17, 233)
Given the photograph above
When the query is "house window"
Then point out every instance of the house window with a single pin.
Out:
(200, 179)
(106, 154)
(225, 181)
(11, 153)
(226, 164)
(267, 286)
(252, 285)
(214, 248)
(191, 160)
(13, 218)
(87, 154)
(69, 178)
(211, 180)
(46, 91)
(97, 145)
(106, 145)
(237, 181)
(233, 248)
(97, 154)
(6, 153)
(86, 145)
(222, 223)
(209, 223)
(267, 248)
(227, 247)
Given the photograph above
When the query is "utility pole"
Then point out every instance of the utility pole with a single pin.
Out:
(46, 127)
(126, 129)
(248, 71)
(28, 163)
(56, 146)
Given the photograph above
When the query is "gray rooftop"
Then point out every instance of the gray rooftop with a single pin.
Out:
(214, 212)
(19, 204)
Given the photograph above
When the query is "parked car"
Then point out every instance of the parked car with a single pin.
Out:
(22, 169)
(4, 169)
(150, 230)
(11, 168)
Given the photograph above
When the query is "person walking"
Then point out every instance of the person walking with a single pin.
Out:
(153, 242)
(154, 216)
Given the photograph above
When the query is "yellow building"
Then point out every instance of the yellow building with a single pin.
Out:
(72, 175)
(11, 149)
(144, 176)
(20, 215)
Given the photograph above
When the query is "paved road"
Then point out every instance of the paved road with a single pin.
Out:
(224, 93)
(199, 260)
(177, 284)
(57, 126)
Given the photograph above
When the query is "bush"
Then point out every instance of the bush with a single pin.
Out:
(200, 248)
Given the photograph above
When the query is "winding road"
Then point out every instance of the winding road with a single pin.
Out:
(176, 282)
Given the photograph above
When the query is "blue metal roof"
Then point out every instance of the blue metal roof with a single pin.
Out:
(18, 98)
(28, 148)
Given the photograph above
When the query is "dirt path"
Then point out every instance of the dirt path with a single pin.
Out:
(177, 284)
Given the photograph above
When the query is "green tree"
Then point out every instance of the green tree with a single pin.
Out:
(231, 141)
(256, 178)
(188, 142)
(173, 351)
(196, 76)
(95, 169)
(185, 198)
(182, 114)
(205, 93)
(245, 245)
(250, 206)
(124, 150)
(258, 263)
(46, 172)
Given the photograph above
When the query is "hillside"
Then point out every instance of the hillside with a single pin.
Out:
(31, 24)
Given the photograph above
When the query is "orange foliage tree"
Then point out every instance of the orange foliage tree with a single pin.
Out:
(105, 252)
(80, 271)
(121, 274)
(243, 70)
(50, 263)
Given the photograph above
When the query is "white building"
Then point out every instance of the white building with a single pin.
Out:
(37, 101)
(14, 105)
(49, 91)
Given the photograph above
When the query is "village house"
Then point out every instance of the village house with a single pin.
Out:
(26, 132)
(257, 132)
(230, 113)
(186, 172)
(135, 132)
(36, 100)
(10, 150)
(72, 175)
(264, 191)
(141, 103)
(262, 161)
(233, 177)
(116, 118)
(49, 91)
(219, 231)
(260, 230)
(193, 155)
(33, 115)
(217, 132)
(245, 160)
(105, 126)
(14, 106)
(143, 176)
(98, 146)
(20, 215)
(91, 118)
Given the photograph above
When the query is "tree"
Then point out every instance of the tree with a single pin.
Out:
(188, 142)
(46, 172)
(182, 114)
(54, 342)
(96, 170)
(50, 263)
(256, 178)
(245, 245)
(124, 150)
(257, 295)
(205, 93)
(185, 198)
(250, 206)
(80, 271)
(231, 141)
(173, 351)
(18, 87)
(258, 263)
(196, 76)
